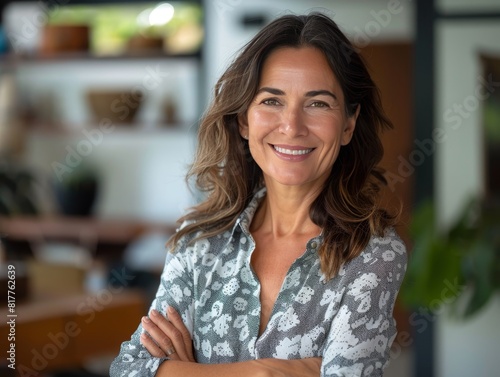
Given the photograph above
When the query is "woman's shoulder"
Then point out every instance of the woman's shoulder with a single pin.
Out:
(384, 254)
(390, 240)
(197, 243)
(186, 237)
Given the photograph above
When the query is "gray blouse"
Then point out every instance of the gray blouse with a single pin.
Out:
(346, 320)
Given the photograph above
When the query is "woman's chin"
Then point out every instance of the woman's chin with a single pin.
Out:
(291, 181)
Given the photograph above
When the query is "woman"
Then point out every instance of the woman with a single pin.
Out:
(289, 267)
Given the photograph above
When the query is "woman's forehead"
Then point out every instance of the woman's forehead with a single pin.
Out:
(294, 67)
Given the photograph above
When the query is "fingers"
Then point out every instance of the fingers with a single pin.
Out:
(151, 346)
(156, 341)
(176, 320)
(165, 336)
(175, 334)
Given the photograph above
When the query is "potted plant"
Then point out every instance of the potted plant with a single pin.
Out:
(465, 255)
(77, 191)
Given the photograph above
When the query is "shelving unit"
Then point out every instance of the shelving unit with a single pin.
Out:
(141, 166)
(143, 162)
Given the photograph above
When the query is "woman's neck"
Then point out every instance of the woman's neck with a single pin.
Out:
(285, 211)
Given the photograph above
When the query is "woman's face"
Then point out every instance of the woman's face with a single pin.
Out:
(296, 123)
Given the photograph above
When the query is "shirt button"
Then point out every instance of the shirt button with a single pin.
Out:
(314, 244)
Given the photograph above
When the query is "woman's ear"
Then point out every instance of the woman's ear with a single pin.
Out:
(350, 126)
(243, 125)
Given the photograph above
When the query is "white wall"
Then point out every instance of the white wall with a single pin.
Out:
(470, 348)
(364, 21)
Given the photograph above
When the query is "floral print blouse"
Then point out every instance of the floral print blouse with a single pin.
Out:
(347, 320)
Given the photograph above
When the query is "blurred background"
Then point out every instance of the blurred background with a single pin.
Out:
(99, 107)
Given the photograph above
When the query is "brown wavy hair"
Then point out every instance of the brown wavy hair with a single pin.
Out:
(347, 208)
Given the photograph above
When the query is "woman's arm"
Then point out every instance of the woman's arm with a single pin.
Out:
(134, 358)
(363, 329)
(167, 335)
(253, 368)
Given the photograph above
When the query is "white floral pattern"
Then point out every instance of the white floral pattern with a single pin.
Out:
(346, 320)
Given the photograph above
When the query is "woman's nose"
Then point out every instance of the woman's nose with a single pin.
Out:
(293, 122)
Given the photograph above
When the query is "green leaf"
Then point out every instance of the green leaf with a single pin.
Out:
(480, 261)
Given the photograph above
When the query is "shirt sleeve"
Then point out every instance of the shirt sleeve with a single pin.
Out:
(175, 290)
(361, 333)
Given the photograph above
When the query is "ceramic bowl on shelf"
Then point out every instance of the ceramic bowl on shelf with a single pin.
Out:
(57, 39)
(117, 105)
(140, 44)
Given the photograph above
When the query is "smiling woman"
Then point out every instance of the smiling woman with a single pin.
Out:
(289, 266)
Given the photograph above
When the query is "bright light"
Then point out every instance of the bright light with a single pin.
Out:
(161, 15)
(143, 18)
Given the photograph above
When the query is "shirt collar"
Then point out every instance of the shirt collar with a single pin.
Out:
(245, 218)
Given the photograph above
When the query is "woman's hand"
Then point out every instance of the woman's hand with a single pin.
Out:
(167, 337)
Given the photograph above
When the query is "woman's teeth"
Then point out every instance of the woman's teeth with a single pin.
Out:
(292, 151)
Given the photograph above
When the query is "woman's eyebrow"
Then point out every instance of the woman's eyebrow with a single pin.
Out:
(314, 93)
(276, 92)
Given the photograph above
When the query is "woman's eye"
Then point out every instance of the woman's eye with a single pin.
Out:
(319, 104)
(271, 102)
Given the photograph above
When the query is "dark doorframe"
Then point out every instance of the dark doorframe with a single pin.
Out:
(424, 173)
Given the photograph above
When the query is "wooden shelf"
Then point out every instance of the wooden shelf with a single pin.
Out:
(110, 231)
(77, 56)
(73, 328)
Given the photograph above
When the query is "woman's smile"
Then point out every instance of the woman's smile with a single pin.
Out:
(292, 153)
